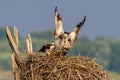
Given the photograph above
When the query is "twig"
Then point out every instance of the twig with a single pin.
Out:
(29, 44)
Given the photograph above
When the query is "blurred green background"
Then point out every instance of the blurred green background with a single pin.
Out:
(106, 50)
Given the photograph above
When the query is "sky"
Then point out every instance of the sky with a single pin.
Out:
(102, 16)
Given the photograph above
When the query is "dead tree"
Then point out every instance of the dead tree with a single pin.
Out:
(16, 58)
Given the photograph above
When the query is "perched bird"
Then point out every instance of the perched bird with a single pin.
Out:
(69, 38)
(64, 40)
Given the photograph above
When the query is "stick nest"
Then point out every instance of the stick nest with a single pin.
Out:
(38, 67)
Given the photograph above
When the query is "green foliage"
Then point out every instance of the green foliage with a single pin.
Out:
(102, 50)
(2, 34)
(114, 64)
(43, 35)
(5, 61)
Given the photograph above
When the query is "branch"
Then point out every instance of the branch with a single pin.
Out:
(16, 59)
(29, 44)
(11, 41)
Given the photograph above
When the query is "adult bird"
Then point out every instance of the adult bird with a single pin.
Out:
(66, 39)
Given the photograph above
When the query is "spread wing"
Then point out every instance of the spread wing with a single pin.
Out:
(76, 30)
(58, 25)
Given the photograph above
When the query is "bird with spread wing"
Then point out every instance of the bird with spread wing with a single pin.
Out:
(64, 40)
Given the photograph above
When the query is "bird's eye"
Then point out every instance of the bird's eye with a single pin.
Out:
(69, 40)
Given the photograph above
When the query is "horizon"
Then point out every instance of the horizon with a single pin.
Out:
(79, 35)
(102, 17)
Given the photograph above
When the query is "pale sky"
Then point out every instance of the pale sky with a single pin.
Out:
(103, 16)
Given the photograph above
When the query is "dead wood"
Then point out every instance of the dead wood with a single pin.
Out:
(16, 59)
(15, 68)
(13, 42)
(29, 47)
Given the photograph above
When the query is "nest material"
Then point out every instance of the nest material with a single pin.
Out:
(38, 67)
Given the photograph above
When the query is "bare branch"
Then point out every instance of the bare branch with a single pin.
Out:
(29, 44)
(13, 44)
(16, 59)
(16, 36)
(11, 41)
(15, 68)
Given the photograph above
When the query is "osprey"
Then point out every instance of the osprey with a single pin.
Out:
(64, 40)
(67, 39)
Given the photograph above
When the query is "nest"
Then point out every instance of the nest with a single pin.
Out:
(38, 67)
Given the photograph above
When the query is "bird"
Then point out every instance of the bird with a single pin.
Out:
(47, 48)
(67, 39)
(64, 40)
(72, 36)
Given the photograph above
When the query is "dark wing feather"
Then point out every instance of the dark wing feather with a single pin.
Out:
(76, 30)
